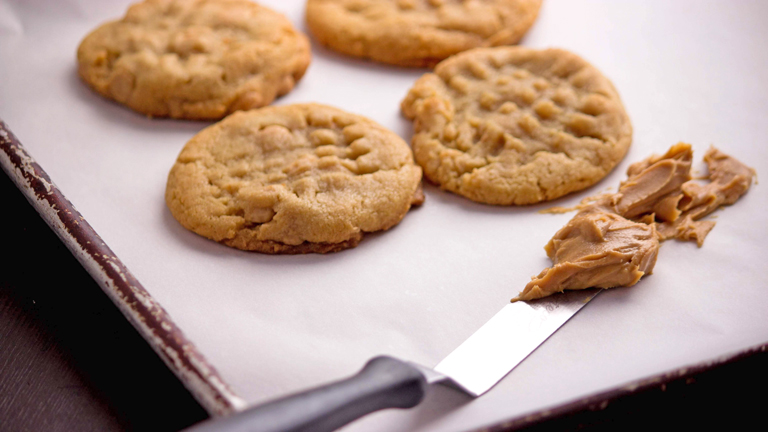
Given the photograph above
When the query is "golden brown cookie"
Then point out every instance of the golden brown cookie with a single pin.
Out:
(418, 32)
(293, 179)
(513, 125)
(194, 59)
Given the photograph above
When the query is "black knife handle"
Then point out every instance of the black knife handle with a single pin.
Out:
(384, 382)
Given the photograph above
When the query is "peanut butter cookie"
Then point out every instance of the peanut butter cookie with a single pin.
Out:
(293, 179)
(418, 32)
(513, 125)
(194, 59)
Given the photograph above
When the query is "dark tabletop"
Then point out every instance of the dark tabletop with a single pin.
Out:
(69, 361)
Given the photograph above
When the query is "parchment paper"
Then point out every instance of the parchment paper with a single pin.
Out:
(694, 71)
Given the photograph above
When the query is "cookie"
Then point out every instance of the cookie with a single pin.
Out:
(513, 125)
(194, 59)
(293, 179)
(417, 32)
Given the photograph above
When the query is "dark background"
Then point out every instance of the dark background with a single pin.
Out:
(69, 361)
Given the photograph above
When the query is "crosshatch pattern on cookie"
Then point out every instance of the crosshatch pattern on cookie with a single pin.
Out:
(293, 179)
(513, 125)
(194, 59)
(418, 32)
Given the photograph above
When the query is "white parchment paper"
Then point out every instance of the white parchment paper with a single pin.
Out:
(694, 71)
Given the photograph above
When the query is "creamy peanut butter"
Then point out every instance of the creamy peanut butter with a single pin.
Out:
(614, 239)
(595, 249)
(653, 185)
(729, 180)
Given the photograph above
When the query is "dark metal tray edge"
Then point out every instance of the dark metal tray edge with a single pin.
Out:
(125, 291)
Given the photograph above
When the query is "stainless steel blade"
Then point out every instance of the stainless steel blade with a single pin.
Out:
(506, 340)
(385, 382)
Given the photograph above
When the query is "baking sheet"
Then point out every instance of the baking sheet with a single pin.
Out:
(694, 71)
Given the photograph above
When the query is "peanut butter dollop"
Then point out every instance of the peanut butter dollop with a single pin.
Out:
(596, 249)
(614, 239)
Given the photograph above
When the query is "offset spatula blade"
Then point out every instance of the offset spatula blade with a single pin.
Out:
(385, 382)
(507, 339)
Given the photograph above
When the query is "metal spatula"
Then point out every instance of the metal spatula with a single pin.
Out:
(385, 382)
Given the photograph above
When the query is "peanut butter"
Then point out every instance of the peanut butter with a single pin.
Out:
(614, 239)
(596, 249)
(653, 185)
(729, 180)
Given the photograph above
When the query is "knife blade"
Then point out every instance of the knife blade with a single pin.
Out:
(474, 367)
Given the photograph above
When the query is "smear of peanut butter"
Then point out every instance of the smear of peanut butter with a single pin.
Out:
(614, 239)
(596, 249)
(729, 180)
